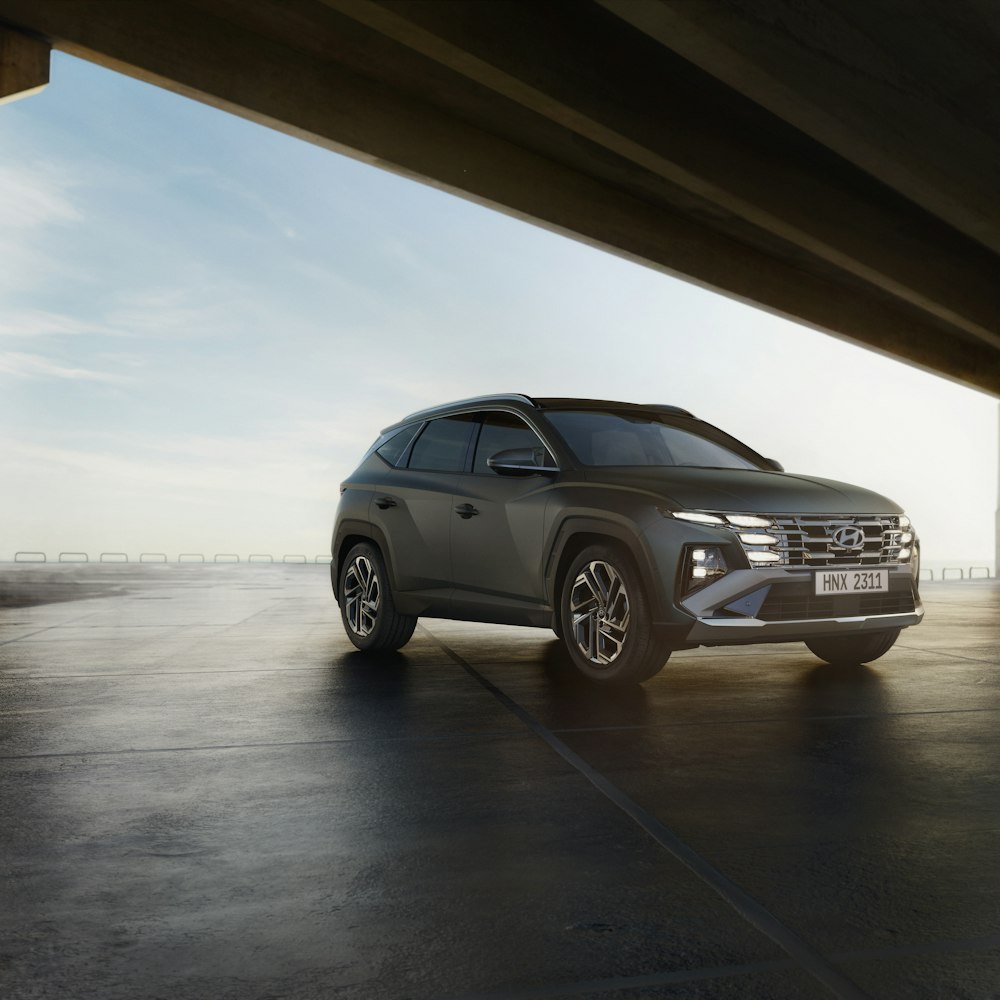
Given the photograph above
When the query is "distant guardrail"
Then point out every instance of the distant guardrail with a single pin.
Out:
(292, 558)
(948, 573)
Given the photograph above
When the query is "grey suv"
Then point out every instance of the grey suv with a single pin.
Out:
(629, 530)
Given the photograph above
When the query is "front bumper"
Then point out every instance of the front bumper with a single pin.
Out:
(779, 605)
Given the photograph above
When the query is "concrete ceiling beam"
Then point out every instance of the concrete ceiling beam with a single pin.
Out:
(866, 80)
(24, 65)
(667, 123)
(310, 71)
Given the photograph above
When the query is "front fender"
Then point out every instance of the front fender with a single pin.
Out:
(574, 528)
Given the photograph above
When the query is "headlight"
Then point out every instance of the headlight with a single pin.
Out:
(727, 520)
(748, 538)
(754, 556)
(696, 517)
(702, 565)
(748, 521)
(907, 540)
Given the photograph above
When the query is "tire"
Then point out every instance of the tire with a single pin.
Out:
(605, 619)
(366, 605)
(852, 649)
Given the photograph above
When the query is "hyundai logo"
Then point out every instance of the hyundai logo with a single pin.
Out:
(849, 537)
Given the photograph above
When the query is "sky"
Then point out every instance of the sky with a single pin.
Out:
(204, 323)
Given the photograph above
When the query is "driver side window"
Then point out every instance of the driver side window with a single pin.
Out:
(501, 431)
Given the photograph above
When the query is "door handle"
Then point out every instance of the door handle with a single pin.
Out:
(384, 503)
(466, 510)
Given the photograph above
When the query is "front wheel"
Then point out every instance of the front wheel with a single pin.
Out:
(605, 619)
(366, 605)
(850, 649)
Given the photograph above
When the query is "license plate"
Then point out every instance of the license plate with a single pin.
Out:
(851, 581)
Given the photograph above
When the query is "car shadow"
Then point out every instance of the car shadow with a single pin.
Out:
(577, 701)
(377, 678)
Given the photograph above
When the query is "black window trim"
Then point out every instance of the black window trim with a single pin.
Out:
(480, 420)
(405, 456)
(404, 461)
(478, 412)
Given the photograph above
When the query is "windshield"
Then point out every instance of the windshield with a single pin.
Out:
(604, 437)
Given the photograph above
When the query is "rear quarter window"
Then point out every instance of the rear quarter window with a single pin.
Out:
(393, 448)
(443, 445)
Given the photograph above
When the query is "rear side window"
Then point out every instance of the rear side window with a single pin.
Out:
(443, 445)
(392, 449)
(500, 432)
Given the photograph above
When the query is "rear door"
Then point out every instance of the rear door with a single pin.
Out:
(412, 507)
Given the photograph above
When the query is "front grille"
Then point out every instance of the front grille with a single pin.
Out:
(818, 540)
(808, 540)
(782, 606)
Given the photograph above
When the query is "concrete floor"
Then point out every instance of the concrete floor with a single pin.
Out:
(206, 793)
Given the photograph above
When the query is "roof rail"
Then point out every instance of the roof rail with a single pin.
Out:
(566, 402)
(495, 397)
(540, 403)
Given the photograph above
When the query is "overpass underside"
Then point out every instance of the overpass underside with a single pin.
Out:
(836, 164)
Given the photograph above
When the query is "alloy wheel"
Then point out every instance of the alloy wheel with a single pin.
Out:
(599, 612)
(362, 595)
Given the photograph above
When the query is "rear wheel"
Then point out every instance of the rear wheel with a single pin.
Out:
(605, 619)
(848, 649)
(366, 605)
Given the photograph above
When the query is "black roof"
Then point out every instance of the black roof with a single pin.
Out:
(537, 403)
(569, 403)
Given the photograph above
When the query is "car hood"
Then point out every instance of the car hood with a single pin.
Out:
(744, 491)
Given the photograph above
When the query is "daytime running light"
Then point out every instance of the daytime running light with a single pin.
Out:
(697, 517)
(748, 521)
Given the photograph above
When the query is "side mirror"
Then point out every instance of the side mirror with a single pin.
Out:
(775, 464)
(520, 462)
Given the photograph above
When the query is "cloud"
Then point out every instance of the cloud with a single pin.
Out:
(35, 366)
(40, 323)
(180, 313)
(153, 313)
(34, 195)
(249, 199)
(208, 470)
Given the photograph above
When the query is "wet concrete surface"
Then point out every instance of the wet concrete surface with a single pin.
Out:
(206, 792)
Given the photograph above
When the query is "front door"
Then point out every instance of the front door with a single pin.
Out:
(497, 528)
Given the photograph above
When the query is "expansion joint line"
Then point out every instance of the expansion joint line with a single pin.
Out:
(807, 957)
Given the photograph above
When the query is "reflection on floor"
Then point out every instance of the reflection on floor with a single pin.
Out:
(207, 792)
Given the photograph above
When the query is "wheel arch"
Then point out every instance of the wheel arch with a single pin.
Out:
(349, 535)
(576, 534)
